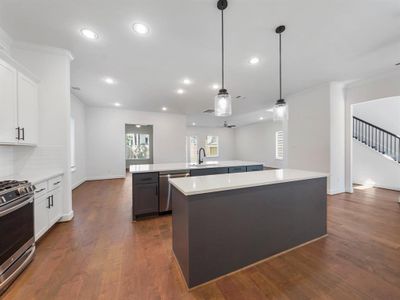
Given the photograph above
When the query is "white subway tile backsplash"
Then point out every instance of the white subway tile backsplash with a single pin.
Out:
(6, 161)
(33, 159)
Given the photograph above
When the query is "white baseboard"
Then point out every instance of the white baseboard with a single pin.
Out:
(335, 192)
(105, 177)
(67, 217)
(74, 186)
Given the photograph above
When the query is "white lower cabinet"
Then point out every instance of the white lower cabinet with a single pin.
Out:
(48, 205)
(55, 206)
(41, 216)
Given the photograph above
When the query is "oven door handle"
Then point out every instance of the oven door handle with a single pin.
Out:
(14, 208)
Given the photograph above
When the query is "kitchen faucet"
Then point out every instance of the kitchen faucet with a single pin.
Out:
(204, 155)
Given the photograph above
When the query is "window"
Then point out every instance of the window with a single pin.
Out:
(193, 148)
(137, 146)
(212, 149)
(73, 163)
(279, 145)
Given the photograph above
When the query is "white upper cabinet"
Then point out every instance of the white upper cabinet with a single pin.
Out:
(28, 110)
(8, 104)
(19, 106)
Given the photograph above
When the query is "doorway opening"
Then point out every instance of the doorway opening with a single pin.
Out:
(138, 144)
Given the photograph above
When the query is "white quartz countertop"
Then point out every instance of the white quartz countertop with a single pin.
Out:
(35, 177)
(224, 182)
(186, 166)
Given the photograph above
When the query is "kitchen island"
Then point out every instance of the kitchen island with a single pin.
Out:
(151, 191)
(222, 223)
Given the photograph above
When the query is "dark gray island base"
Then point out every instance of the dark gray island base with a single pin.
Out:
(220, 232)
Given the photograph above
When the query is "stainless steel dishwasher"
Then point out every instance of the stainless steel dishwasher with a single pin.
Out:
(165, 204)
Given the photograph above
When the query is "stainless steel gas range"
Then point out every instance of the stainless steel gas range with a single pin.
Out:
(17, 242)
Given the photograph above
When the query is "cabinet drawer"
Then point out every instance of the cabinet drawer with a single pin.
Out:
(145, 178)
(255, 168)
(41, 189)
(208, 171)
(55, 183)
(237, 169)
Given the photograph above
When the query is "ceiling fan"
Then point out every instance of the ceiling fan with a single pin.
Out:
(226, 125)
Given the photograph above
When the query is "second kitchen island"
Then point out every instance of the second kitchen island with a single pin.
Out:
(151, 191)
(222, 223)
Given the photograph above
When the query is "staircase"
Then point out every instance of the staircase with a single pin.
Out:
(381, 140)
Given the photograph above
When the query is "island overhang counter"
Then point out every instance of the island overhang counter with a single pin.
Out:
(223, 223)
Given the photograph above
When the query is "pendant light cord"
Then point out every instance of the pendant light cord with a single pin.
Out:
(280, 66)
(223, 49)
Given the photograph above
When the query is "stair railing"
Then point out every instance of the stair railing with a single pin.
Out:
(377, 138)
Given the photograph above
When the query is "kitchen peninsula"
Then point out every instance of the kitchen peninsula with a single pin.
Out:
(222, 223)
(151, 191)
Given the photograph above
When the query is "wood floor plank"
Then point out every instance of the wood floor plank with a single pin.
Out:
(101, 254)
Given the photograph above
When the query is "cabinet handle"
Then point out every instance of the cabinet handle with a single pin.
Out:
(23, 134)
(48, 202)
(41, 190)
(58, 182)
(18, 134)
(52, 200)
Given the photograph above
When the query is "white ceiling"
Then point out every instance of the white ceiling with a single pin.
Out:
(325, 40)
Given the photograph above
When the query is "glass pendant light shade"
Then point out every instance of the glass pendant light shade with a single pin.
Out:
(280, 111)
(223, 104)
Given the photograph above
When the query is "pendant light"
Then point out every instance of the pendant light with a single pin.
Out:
(223, 101)
(280, 107)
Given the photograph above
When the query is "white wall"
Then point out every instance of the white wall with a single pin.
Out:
(105, 136)
(316, 135)
(384, 113)
(256, 142)
(370, 167)
(379, 87)
(309, 129)
(78, 114)
(52, 67)
(226, 139)
(337, 138)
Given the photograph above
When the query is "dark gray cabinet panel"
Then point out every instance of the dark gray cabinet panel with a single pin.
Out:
(145, 178)
(145, 194)
(237, 169)
(254, 168)
(208, 171)
(218, 233)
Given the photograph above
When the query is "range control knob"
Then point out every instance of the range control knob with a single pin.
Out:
(21, 191)
(3, 199)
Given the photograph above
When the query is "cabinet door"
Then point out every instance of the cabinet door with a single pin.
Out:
(41, 215)
(8, 104)
(55, 209)
(145, 197)
(28, 110)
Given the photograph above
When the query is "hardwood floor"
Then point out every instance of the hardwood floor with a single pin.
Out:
(101, 254)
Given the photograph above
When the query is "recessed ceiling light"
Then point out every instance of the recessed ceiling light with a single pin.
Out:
(117, 104)
(180, 91)
(270, 110)
(89, 34)
(254, 60)
(187, 81)
(215, 86)
(109, 80)
(140, 28)
(193, 124)
(138, 126)
(164, 108)
(261, 118)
